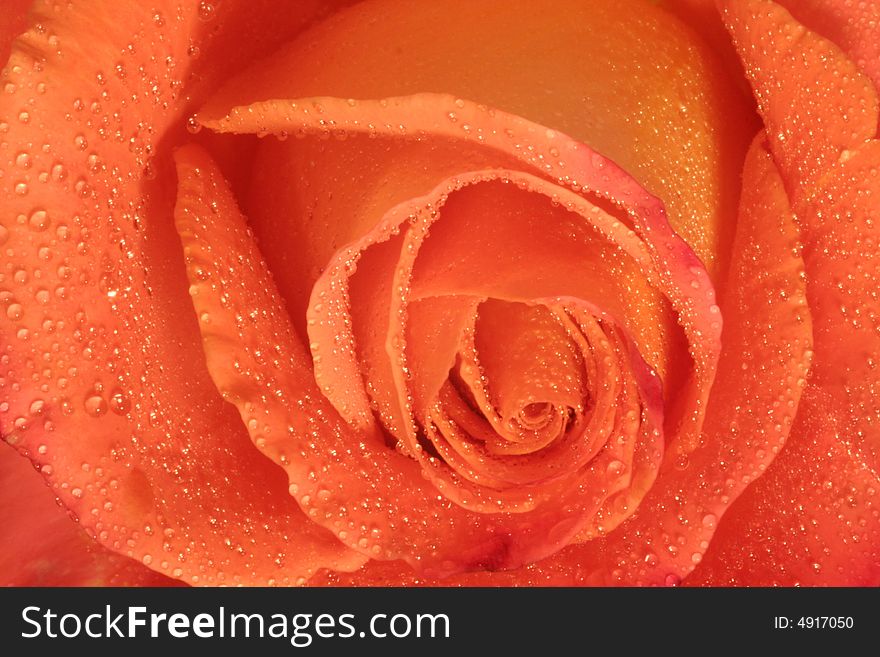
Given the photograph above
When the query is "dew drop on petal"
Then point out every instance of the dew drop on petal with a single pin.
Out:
(15, 311)
(672, 580)
(95, 406)
(39, 220)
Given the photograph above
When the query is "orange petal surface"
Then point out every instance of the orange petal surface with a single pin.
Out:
(815, 103)
(852, 26)
(814, 518)
(43, 546)
(102, 376)
(634, 83)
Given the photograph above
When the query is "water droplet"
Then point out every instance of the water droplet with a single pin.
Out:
(95, 406)
(15, 311)
(39, 220)
(672, 580)
(207, 11)
(58, 172)
(615, 468)
(192, 124)
(119, 403)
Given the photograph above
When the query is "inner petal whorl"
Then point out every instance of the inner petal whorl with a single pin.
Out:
(533, 373)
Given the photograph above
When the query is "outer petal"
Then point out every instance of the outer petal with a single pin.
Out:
(852, 26)
(102, 380)
(828, 529)
(840, 230)
(43, 547)
(202, 195)
(815, 518)
(815, 103)
(812, 520)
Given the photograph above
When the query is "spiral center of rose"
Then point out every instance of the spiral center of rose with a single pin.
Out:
(522, 375)
(511, 381)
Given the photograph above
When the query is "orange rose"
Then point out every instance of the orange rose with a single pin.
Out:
(505, 296)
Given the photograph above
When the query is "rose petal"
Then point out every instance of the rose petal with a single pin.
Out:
(815, 103)
(841, 232)
(102, 379)
(814, 518)
(642, 90)
(764, 359)
(347, 479)
(838, 214)
(851, 26)
(42, 546)
(703, 18)
(205, 205)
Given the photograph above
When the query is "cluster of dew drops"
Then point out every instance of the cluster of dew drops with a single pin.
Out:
(51, 254)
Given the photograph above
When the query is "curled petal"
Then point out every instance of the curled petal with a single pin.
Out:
(816, 104)
(836, 204)
(505, 138)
